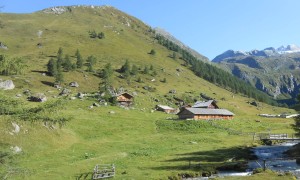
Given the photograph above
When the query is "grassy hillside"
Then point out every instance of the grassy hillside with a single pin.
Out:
(141, 143)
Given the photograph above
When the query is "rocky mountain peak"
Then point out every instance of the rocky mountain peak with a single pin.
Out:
(267, 52)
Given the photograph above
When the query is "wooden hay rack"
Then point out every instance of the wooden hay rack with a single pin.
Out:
(102, 171)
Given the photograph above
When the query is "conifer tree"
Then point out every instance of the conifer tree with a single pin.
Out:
(67, 63)
(107, 73)
(60, 53)
(79, 60)
(59, 77)
(134, 70)
(52, 67)
(125, 67)
(91, 60)
(146, 70)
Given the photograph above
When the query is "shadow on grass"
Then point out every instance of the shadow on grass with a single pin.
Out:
(209, 160)
(37, 71)
(48, 83)
(87, 175)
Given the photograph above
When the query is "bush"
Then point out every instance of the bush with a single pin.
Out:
(258, 170)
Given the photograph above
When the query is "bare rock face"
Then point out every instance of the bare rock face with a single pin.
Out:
(55, 10)
(7, 85)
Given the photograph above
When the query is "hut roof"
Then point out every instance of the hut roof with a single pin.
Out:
(203, 111)
(203, 104)
(165, 107)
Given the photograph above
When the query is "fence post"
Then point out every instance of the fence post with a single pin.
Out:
(264, 165)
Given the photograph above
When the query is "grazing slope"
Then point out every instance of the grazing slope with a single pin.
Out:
(141, 143)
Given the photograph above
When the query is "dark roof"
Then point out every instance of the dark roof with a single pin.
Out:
(203, 111)
(202, 104)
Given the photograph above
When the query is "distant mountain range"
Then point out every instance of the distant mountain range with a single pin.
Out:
(264, 53)
(275, 71)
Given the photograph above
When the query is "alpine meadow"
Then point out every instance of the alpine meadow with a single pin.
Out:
(62, 71)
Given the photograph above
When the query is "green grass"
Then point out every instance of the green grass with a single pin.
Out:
(141, 144)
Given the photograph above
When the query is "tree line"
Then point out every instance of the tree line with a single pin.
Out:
(214, 74)
(63, 63)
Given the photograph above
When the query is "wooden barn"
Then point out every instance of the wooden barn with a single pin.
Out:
(204, 114)
(211, 104)
(166, 109)
(124, 99)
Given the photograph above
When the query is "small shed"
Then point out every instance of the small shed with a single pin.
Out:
(211, 104)
(124, 99)
(166, 109)
(204, 114)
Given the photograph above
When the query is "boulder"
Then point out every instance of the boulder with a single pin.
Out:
(16, 149)
(96, 104)
(80, 95)
(172, 91)
(3, 46)
(65, 92)
(74, 84)
(27, 92)
(7, 85)
(57, 86)
(16, 128)
(39, 97)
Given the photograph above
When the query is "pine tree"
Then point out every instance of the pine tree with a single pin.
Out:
(174, 55)
(60, 53)
(151, 67)
(93, 34)
(59, 77)
(146, 70)
(79, 60)
(134, 70)
(152, 52)
(67, 63)
(107, 73)
(91, 60)
(52, 67)
(125, 67)
(101, 35)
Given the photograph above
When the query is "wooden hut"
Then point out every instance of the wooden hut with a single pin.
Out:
(204, 114)
(124, 99)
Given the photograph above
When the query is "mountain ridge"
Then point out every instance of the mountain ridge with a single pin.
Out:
(274, 71)
(270, 51)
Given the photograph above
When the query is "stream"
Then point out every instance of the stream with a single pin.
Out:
(275, 159)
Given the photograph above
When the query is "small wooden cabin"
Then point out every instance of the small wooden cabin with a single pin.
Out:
(204, 114)
(166, 109)
(125, 99)
(211, 104)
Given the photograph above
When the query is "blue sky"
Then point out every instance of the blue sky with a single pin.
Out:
(208, 26)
